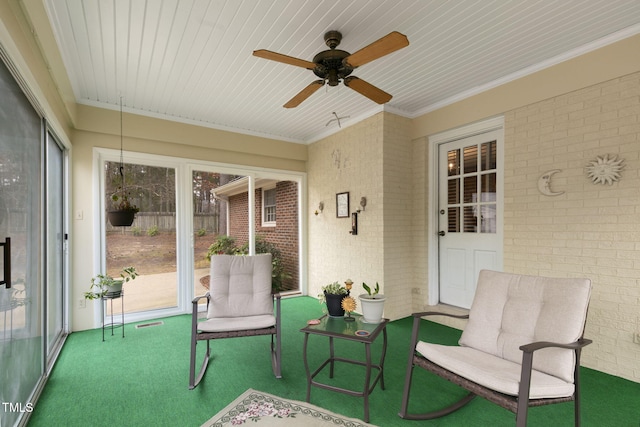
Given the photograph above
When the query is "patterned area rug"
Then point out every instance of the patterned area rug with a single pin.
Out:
(255, 408)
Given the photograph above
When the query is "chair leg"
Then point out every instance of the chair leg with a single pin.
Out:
(193, 381)
(429, 415)
(276, 353)
(405, 394)
(576, 392)
(523, 391)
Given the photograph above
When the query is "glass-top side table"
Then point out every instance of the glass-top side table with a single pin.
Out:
(359, 331)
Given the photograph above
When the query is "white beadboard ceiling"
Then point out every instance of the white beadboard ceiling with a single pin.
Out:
(191, 60)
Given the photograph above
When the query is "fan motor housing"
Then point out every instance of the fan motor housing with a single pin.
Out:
(330, 66)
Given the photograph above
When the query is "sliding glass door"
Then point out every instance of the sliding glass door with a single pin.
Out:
(55, 245)
(150, 243)
(210, 224)
(239, 214)
(21, 312)
(187, 213)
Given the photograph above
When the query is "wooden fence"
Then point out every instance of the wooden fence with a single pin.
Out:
(167, 222)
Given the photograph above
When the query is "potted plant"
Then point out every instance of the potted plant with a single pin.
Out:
(332, 294)
(372, 304)
(104, 285)
(124, 212)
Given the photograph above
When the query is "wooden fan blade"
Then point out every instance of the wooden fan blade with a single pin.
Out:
(273, 56)
(367, 89)
(381, 47)
(304, 94)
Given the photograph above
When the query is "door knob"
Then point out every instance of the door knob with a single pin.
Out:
(442, 233)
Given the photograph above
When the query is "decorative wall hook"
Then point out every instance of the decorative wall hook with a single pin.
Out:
(320, 208)
(337, 119)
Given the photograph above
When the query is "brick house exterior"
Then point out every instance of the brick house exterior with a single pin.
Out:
(284, 235)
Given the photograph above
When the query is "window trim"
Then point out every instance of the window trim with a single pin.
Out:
(263, 206)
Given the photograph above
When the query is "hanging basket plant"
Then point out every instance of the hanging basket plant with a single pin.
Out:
(124, 212)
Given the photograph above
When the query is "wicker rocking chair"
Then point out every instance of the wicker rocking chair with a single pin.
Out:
(239, 304)
(512, 318)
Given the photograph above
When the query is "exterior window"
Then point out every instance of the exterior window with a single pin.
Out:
(269, 207)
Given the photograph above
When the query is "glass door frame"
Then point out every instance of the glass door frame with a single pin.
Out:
(184, 168)
(101, 156)
(51, 356)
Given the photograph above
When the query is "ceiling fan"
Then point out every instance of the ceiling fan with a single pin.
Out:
(334, 65)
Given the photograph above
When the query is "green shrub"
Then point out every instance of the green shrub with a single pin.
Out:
(136, 231)
(201, 232)
(278, 275)
(223, 245)
(227, 245)
(153, 231)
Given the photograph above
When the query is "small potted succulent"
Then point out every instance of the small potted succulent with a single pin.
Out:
(332, 294)
(104, 285)
(372, 304)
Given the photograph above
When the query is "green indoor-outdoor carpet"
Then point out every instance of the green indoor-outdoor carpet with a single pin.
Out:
(142, 379)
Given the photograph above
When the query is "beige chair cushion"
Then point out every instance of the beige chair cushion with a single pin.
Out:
(511, 310)
(229, 324)
(240, 286)
(493, 372)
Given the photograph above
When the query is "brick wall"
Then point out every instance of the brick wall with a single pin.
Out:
(284, 235)
(590, 230)
(350, 160)
(369, 159)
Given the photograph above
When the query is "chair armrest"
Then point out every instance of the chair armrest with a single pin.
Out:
(416, 325)
(530, 348)
(198, 298)
(194, 307)
(527, 362)
(276, 301)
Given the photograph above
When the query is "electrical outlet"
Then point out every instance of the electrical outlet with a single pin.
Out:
(82, 303)
(636, 337)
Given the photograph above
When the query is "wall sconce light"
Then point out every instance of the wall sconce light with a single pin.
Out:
(320, 208)
(363, 204)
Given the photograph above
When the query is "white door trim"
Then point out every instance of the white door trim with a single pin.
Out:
(433, 273)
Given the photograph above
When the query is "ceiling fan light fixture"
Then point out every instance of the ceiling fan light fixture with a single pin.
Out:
(332, 78)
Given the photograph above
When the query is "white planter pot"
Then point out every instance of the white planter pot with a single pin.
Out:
(372, 307)
(115, 289)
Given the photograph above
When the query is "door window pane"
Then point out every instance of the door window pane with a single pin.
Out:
(55, 242)
(210, 224)
(470, 159)
(230, 193)
(488, 187)
(454, 162)
(488, 218)
(150, 243)
(470, 219)
(453, 220)
(474, 192)
(453, 191)
(488, 161)
(470, 189)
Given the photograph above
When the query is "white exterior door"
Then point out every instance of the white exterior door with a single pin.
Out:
(469, 214)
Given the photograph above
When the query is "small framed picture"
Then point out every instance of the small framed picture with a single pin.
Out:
(342, 205)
